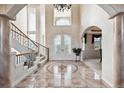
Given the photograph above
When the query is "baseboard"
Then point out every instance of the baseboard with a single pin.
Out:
(106, 84)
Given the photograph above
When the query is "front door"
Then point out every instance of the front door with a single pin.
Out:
(62, 47)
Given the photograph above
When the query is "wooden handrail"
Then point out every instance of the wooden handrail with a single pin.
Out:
(23, 34)
(25, 53)
(27, 37)
(17, 32)
(20, 35)
(41, 45)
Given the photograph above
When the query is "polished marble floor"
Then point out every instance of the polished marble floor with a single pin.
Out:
(94, 64)
(63, 74)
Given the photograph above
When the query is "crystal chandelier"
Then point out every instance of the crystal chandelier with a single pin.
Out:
(62, 7)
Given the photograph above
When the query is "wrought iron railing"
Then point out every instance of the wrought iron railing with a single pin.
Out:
(43, 50)
(23, 39)
(34, 47)
(26, 58)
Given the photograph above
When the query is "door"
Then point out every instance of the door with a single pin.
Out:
(62, 47)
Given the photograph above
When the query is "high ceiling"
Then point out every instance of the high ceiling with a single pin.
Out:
(112, 9)
(11, 10)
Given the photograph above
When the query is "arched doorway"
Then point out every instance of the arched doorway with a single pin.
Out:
(92, 47)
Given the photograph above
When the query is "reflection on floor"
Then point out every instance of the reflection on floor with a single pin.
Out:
(63, 74)
(94, 64)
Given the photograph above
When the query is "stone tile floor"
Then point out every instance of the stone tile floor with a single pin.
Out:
(63, 74)
(94, 64)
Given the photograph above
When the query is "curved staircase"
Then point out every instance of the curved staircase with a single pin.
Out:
(26, 55)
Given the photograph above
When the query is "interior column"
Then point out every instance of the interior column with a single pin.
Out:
(118, 50)
(4, 52)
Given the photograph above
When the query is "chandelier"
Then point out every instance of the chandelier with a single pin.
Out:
(62, 7)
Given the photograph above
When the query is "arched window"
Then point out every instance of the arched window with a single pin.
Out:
(62, 21)
(62, 18)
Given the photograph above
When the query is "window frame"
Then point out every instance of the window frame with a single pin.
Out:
(70, 19)
(31, 32)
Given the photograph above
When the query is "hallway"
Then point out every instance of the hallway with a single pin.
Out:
(63, 74)
(33, 34)
(94, 64)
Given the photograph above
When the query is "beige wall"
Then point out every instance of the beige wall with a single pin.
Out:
(52, 31)
(93, 15)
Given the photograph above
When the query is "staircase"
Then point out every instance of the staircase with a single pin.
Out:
(27, 57)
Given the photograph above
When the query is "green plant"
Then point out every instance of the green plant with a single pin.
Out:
(77, 52)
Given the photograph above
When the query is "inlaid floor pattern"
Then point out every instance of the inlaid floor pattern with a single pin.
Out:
(63, 74)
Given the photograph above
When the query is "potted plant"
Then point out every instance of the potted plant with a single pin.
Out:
(77, 52)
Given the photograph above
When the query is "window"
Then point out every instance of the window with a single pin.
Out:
(62, 18)
(62, 21)
(32, 36)
(57, 43)
(31, 19)
(32, 22)
(97, 43)
(67, 44)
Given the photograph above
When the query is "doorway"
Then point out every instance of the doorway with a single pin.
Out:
(92, 48)
(62, 47)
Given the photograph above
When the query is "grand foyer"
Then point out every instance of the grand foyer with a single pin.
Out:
(35, 52)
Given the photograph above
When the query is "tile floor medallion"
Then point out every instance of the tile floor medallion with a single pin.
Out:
(63, 74)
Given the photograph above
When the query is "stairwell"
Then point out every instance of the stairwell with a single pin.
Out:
(26, 55)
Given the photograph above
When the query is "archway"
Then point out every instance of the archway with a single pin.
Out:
(92, 47)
